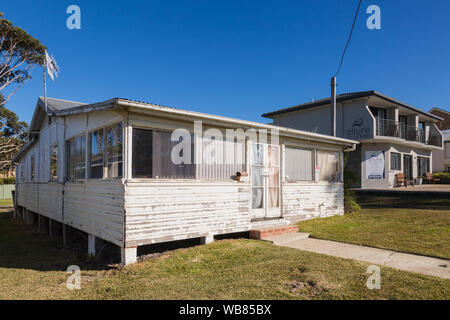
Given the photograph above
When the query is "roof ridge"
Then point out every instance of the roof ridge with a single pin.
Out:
(72, 101)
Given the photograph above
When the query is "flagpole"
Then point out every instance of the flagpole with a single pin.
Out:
(45, 85)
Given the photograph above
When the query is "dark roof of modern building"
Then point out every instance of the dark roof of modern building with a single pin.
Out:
(445, 123)
(346, 97)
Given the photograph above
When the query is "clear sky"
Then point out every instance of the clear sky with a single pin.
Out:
(237, 58)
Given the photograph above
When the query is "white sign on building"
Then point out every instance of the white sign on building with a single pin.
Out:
(375, 165)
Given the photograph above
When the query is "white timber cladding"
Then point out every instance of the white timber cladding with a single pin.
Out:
(96, 207)
(93, 206)
(161, 211)
(131, 212)
(307, 200)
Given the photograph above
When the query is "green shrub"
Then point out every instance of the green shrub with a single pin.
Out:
(441, 175)
(350, 203)
(10, 180)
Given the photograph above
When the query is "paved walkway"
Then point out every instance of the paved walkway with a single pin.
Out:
(423, 188)
(402, 261)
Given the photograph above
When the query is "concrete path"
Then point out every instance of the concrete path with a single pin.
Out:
(402, 261)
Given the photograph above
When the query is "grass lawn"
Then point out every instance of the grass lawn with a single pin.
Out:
(6, 202)
(32, 266)
(421, 231)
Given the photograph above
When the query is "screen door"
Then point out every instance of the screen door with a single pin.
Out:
(265, 180)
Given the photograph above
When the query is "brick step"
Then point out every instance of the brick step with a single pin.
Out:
(272, 231)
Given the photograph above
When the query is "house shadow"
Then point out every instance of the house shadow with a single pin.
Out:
(405, 201)
(23, 247)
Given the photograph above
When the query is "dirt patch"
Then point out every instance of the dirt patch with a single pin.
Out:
(311, 287)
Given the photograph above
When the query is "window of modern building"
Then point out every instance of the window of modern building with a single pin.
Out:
(423, 166)
(396, 163)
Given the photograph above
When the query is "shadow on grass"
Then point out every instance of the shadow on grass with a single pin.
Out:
(407, 201)
(23, 247)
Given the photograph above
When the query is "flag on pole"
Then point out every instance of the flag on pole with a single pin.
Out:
(51, 66)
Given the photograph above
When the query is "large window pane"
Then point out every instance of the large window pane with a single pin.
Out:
(299, 164)
(221, 158)
(423, 166)
(395, 161)
(329, 164)
(152, 156)
(80, 157)
(142, 153)
(97, 151)
(114, 151)
(76, 158)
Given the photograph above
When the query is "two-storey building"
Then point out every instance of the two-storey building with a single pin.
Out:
(441, 158)
(395, 137)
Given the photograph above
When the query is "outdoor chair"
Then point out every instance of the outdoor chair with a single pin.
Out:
(429, 178)
(400, 179)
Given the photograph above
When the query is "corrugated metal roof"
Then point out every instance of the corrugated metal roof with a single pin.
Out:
(59, 104)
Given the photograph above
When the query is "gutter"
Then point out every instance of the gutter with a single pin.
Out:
(286, 131)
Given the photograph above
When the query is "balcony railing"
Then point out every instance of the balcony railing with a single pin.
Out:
(391, 128)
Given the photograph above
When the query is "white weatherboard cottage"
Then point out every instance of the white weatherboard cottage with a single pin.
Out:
(106, 169)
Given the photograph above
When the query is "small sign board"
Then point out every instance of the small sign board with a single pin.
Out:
(375, 168)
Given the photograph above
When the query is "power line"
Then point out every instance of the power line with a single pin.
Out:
(349, 38)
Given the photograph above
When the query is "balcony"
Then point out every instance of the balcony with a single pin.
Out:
(391, 128)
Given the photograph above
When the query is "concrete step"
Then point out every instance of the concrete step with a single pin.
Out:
(287, 238)
(273, 231)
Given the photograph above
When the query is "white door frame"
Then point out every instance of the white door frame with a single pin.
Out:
(265, 212)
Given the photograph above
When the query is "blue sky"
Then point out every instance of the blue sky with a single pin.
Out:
(237, 58)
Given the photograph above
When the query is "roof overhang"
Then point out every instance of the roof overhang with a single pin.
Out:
(348, 97)
(125, 104)
(192, 115)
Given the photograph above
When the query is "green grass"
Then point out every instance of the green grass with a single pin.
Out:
(6, 202)
(33, 266)
(419, 231)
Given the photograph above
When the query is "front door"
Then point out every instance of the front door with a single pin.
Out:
(265, 180)
(407, 167)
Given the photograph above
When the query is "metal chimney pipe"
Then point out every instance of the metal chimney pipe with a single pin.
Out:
(333, 106)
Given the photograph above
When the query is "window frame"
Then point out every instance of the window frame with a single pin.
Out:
(22, 171)
(199, 141)
(339, 173)
(104, 128)
(32, 167)
(166, 130)
(419, 165)
(313, 163)
(399, 154)
(90, 152)
(105, 152)
(52, 149)
(67, 152)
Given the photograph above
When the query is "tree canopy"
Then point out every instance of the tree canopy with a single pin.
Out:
(13, 135)
(19, 54)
